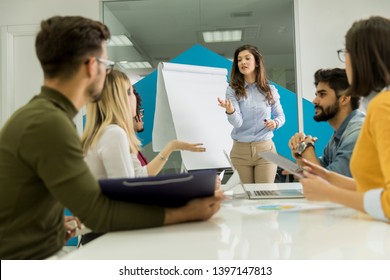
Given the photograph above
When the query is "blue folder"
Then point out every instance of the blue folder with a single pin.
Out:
(171, 190)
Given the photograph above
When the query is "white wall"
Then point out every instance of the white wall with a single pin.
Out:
(20, 72)
(17, 12)
(320, 30)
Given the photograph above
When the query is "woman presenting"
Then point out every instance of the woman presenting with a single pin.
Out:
(253, 107)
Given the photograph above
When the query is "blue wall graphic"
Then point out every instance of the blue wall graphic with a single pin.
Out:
(201, 56)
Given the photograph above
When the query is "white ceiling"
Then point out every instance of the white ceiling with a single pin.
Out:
(162, 29)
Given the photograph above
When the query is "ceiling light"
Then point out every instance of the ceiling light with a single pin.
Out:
(135, 64)
(119, 40)
(222, 36)
(241, 14)
(282, 29)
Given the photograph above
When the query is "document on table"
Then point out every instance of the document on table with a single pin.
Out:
(283, 207)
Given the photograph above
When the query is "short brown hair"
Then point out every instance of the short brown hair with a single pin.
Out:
(63, 42)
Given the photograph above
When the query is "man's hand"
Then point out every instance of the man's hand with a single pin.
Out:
(298, 138)
(197, 209)
(72, 223)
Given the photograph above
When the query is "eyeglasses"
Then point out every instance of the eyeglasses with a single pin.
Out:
(341, 54)
(107, 63)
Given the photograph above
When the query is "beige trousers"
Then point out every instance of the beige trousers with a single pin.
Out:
(250, 166)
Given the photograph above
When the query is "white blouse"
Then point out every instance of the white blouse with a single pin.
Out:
(111, 157)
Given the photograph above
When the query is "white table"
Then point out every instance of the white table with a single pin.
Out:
(240, 231)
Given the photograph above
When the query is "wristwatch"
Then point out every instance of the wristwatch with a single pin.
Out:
(302, 148)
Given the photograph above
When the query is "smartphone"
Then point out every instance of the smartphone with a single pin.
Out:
(71, 225)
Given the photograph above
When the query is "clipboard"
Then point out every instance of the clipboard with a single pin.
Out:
(170, 190)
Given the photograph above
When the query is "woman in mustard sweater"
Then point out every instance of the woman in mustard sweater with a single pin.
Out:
(367, 62)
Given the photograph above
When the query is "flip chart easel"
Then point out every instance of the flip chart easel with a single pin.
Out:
(187, 109)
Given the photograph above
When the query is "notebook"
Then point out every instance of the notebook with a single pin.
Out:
(266, 190)
(171, 190)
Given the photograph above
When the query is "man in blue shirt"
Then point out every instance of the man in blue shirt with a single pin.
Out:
(342, 113)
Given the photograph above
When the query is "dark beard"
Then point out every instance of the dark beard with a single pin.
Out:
(327, 114)
(95, 97)
(140, 130)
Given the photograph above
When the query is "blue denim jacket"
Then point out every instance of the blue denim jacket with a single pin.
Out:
(337, 153)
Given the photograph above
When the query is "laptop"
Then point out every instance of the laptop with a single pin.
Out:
(265, 190)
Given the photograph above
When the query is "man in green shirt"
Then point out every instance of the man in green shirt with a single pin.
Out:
(42, 169)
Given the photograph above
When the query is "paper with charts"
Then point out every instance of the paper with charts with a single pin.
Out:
(284, 207)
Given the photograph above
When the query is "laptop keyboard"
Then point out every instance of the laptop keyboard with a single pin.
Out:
(264, 193)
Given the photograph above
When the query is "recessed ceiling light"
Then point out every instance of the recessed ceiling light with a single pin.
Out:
(282, 29)
(222, 36)
(241, 14)
(135, 64)
(119, 40)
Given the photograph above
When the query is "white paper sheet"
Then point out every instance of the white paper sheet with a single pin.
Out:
(187, 109)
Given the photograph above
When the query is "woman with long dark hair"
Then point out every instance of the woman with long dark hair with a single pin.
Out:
(253, 108)
(367, 62)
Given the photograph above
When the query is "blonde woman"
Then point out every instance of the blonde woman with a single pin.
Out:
(109, 141)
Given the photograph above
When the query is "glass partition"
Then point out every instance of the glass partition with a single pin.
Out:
(146, 32)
